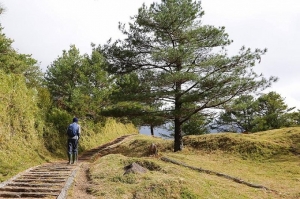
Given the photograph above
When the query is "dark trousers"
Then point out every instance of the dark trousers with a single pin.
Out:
(72, 146)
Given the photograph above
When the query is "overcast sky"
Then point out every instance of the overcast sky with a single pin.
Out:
(44, 28)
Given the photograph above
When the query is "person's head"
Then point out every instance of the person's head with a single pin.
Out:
(75, 120)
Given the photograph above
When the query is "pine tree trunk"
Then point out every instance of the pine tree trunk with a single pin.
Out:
(178, 136)
(177, 123)
(152, 130)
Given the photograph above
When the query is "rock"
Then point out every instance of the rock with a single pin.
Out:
(153, 151)
(135, 168)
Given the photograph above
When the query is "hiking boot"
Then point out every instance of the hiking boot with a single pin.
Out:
(75, 158)
(70, 158)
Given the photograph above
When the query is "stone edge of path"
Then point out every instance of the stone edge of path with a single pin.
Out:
(68, 184)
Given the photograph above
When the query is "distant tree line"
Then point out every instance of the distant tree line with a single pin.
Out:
(247, 114)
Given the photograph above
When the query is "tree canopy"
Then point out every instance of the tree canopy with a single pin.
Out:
(16, 63)
(247, 114)
(187, 66)
(78, 83)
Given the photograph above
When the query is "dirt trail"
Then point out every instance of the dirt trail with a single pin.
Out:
(55, 180)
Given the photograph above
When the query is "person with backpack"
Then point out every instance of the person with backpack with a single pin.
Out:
(73, 133)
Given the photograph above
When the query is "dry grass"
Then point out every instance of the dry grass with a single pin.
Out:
(268, 158)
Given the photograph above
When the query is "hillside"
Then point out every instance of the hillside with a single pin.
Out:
(227, 165)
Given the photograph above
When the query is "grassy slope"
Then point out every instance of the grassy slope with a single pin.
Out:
(19, 155)
(268, 158)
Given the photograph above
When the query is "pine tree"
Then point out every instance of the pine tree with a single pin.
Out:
(186, 62)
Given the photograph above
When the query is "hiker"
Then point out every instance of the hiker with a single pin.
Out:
(73, 133)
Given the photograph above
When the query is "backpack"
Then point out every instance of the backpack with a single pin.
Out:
(72, 130)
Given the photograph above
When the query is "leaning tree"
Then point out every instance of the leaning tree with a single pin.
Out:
(186, 62)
